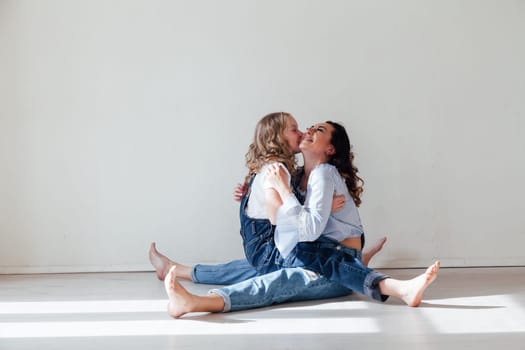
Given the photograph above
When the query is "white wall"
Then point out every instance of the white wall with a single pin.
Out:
(125, 122)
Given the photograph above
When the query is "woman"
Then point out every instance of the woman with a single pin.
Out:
(324, 255)
(326, 152)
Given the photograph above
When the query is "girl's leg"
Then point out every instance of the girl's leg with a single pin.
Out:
(225, 274)
(229, 273)
(410, 291)
(162, 265)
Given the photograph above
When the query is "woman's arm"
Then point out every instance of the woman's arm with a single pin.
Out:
(309, 221)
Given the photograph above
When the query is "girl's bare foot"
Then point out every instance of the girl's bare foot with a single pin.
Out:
(368, 253)
(160, 262)
(180, 299)
(410, 291)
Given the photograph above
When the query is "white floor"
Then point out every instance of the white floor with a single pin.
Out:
(481, 308)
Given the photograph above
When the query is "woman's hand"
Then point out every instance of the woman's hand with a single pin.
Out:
(338, 202)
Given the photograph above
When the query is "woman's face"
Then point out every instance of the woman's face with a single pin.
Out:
(318, 139)
(292, 134)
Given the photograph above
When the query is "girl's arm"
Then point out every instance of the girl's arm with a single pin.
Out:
(273, 202)
(272, 196)
(278, 179)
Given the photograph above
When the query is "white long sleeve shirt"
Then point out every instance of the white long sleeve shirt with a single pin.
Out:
(296, 223)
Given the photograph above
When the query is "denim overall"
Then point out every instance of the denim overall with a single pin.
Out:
(240, 270)
(325, 256)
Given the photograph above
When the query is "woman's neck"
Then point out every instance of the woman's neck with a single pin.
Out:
(311, 163)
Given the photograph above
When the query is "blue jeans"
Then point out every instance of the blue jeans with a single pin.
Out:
(284, 285)
(324, 256)
(229, 273)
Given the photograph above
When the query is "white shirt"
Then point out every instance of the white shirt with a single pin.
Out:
(296, 223)
(256, 207)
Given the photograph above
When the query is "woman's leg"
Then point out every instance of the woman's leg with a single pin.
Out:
(181, 301)
(411, 291)
(281, 286)
(286, 285)
(369, 253)
(335, 263)
(228, 273)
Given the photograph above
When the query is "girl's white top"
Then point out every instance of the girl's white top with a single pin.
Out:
(256, 207)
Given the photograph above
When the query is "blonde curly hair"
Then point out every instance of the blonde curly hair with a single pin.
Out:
(270, 145)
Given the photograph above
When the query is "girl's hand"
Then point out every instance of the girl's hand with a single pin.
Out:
(239, 191)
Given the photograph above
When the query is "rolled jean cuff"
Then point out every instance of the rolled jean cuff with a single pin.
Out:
(371, 287)
(192, 274)
(224, 296)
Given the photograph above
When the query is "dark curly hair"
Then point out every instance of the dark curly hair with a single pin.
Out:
(343, 159)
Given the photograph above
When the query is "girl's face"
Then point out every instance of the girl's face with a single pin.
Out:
(318, 139)
(292, 134)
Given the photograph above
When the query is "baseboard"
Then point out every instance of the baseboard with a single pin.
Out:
(11, 270)
(377, 263)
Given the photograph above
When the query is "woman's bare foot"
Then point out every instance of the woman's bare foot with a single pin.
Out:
(368, 253)
(410, 291)
(416, 286)
(160, 262)
(180, 299)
